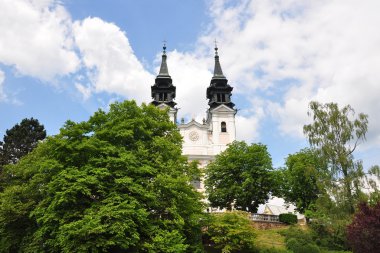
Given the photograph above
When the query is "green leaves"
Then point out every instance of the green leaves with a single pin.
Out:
(20, 140)
(240, 176)
(303, 178)
(115, 183)
(336, 133)
(231, 232)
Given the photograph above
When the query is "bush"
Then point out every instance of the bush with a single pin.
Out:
(274, 250)
(330, 234)
(300, 241)
(230, 232)
(288, 218)
(297, 246)
(363, 233)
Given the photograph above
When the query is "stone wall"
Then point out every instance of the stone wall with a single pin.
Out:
(267, 225)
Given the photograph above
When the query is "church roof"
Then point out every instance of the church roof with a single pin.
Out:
(164, 67)
(218, 73)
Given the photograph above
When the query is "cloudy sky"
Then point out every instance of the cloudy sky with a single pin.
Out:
(64, 59)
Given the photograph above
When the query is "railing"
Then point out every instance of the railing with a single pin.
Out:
(264, 217)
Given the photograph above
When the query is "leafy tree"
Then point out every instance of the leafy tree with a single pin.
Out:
(231, 232)
(114, 183)
(300, 178)
(20, 140)
(336, 133)
(241, 176)
(373, 180)
(364, 231)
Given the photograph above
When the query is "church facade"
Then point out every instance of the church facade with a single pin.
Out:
(202, 140)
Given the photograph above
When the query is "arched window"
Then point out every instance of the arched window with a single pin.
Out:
(223, 127)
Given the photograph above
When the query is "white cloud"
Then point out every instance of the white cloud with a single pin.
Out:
(84, 90)
(3, 96)
(35, 38)
(191, 76)
(329, 49)
(110, 61)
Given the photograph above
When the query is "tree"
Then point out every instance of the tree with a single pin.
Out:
(240, 177)
(336, 133)
(364, 232)
(114, 183)
(301, 178)
(20, 140)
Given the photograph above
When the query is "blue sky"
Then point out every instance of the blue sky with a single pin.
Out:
(63, 60)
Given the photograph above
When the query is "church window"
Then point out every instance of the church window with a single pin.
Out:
(223, 127)
(223, 97)
(163, 97)
(219, 98)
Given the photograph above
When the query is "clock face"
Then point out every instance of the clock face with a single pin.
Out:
(193, 136)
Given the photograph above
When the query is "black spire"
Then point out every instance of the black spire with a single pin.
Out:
(164, 67)
(218, 73)
(219, 91)
(163, 90)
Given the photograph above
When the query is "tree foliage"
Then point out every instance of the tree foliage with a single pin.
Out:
(20, 140)
(336, 133)
(241, 176)
(231, 232)
(301, 178)
(114, 183)
(364, 231)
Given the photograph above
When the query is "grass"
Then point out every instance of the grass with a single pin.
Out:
(270, 238)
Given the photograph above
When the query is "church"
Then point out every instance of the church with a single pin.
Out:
(202, 140)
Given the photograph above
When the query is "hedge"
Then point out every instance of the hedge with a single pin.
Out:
(288, 218)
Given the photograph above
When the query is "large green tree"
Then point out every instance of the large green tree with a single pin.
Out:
(20, 140)
(336, 133)
(241, 177)
(301, 178)
(114, 183)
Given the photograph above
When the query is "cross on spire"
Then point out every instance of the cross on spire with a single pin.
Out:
(164, 46)
(216, 47)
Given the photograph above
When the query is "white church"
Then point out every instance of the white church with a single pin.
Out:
(202, 140)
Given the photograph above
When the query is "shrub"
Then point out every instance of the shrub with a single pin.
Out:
(297, 246)
(288, 218)
(230, 232)
(330, 234)
(299, 241)
(274, 250)
(363, 233)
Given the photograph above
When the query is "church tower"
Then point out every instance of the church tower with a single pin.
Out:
(202, 141)
(163, 90)
(221, 112)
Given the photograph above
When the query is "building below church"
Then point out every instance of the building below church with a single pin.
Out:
(202, 140)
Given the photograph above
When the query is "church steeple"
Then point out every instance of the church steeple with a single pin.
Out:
(164, 67)
(218, 73)
(163, 90)
(219, 91)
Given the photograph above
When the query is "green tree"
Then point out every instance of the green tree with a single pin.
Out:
(114, 183)
(241, 176)
(20, 140)
(336, 133)
(301, 178)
